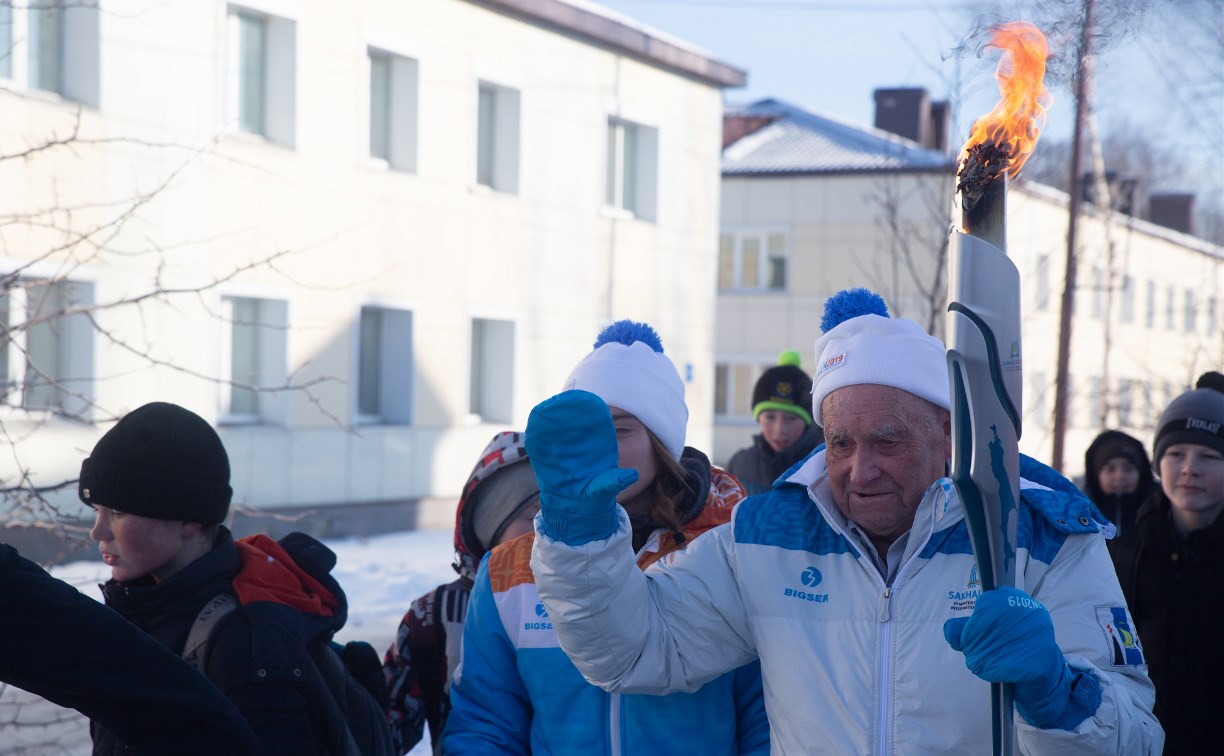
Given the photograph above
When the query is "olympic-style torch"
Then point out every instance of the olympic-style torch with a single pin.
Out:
(984, 354)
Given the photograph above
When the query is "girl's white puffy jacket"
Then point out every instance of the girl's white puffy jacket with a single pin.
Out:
(852, 665)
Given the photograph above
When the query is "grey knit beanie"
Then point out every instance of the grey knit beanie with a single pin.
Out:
(1195, 417)
(498, 500)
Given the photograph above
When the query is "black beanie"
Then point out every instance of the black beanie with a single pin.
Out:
(1111, 444)
(1195, 417)
(159, 461)
(784, 387)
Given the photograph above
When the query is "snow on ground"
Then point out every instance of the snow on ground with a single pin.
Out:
(381, 576)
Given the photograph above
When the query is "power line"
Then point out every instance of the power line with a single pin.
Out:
(813, 5)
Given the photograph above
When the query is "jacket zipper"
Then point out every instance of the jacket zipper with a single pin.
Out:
(885, 650)
(614, 722)
(886, 642)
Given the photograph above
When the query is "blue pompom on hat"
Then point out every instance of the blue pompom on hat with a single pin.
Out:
(861, 344)
(629, 370)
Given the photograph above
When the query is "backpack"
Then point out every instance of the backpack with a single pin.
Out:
(346, 681)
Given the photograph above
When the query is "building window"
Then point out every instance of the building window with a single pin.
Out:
(1096, 402)
(255, 357)
(497, 137)
(1127, 305)
(1189, 318)
(491, 387)
(61, 48)
(393, 109)
(632, 168)
(47, 358)
(1043, 282)
(1211, 316)
(1170, 309)
(1149, 315)
(384, 366)
(1125, 400)
(733, 384)
(262, 81)
(6, 41)
(753, 261)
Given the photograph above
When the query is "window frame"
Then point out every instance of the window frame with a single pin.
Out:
(271, 368)
(396, 377)
(402, 109)
(499, 147)
(491, 400)
(762, 234)
(73, 347)
(631, 168)
(277, 77)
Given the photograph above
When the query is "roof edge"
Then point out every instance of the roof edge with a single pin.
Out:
(637, 42)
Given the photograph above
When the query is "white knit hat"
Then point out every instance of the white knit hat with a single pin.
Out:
(861, 344)
(628, 370)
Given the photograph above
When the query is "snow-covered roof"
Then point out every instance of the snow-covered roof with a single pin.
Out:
(626, 35)
(797, 141)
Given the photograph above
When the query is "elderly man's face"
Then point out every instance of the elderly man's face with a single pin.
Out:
(884, 448)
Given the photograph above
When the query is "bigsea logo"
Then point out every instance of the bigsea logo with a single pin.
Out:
(811, 578)
(542, 613)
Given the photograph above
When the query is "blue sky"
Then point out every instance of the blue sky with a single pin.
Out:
(829, 55)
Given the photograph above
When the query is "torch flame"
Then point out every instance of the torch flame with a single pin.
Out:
(1017, 119)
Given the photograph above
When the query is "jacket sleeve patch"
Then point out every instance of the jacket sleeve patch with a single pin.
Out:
(1124, 647)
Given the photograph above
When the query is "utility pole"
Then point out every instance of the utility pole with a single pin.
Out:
(1062, 391)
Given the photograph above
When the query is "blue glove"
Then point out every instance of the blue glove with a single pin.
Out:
(1010, 639)
(571, 442)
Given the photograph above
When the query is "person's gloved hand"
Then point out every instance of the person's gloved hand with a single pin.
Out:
(1010, 639)
(571, 442)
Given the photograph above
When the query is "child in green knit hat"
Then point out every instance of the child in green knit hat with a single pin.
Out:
(781, 402)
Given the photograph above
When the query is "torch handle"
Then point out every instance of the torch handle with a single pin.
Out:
(984, 370)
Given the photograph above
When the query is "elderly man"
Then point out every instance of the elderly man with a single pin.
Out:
(852, 579)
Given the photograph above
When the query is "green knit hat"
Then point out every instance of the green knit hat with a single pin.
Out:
(784, 387)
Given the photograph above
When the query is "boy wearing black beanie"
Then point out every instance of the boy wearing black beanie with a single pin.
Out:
(159, 484)
(780, 402)
(1171, 566)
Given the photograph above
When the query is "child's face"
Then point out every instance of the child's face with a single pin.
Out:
(635, 453)
(780, 428)
(134, 546)
(1118, 476)
(1193, 478)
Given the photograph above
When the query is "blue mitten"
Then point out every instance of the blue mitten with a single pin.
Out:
(571, 442)
(1010, 639)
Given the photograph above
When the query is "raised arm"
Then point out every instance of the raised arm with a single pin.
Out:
(75, 652)
(674, 627)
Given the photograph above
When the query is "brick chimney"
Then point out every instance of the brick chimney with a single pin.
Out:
(908, 112)
(739, 125)
(1173, 210)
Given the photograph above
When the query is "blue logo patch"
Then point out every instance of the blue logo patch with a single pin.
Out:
(811, 578)
(540, 610)
(1124, 647)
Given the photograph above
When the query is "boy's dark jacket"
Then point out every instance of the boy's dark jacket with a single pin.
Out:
(259, 656)
(71, 650)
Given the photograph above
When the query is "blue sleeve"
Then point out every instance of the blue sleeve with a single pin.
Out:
(752, 727)
(490, 709)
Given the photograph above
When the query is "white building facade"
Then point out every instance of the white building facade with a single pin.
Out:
(360, 238)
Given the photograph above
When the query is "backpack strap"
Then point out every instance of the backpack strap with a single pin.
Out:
(199, 638)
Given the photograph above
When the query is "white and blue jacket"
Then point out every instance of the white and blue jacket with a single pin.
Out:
(851, 664)
(516, 692)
